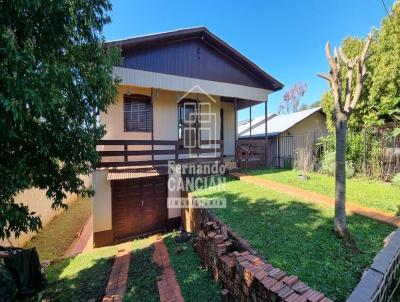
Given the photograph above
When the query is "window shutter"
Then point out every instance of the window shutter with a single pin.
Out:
(138, 114)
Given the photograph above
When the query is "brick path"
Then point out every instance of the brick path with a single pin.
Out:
(168, 287)
(351, 208)
(119, 274)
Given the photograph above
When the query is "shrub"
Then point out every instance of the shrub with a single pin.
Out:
(396, 180)
(304, 160)
(328, 164)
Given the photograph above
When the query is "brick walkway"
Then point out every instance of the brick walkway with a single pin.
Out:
(168, 287)
(351, 208)
(119, 274)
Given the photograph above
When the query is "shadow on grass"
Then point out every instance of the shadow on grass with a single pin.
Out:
(79, 278)
(195, 282)
(297, 237)
(143, 272)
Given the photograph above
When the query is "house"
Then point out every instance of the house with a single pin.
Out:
(178, 100)
(287, 133)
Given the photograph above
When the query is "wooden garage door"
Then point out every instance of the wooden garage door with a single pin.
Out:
(139, 206)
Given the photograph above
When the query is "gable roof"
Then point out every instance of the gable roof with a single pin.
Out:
(203, 34)
(278, 124)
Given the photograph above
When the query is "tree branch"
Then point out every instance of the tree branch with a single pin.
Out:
(343, 57)
(349, 80)
(325, 76)
(361, 73)
(334, 68)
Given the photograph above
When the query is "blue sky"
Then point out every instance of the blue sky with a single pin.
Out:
(285, 38)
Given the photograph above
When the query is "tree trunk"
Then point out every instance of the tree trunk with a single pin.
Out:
(340, 225)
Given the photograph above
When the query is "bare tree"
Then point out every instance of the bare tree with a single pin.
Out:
(291, 98)
(344, 102)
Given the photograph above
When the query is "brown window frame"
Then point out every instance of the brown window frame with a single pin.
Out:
(144, 123)
(181, 124)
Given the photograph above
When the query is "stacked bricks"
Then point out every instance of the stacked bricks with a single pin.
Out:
(244, 276)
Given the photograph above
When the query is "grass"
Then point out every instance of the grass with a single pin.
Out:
(297, 236)
(79, 278)
(369, 193)
(195, 282)
(54, 239)
(142, 278)
(85, 277)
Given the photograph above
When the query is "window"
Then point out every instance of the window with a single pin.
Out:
(138, 113)
(188, 123)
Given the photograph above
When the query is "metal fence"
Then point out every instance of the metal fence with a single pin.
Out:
(285, 149)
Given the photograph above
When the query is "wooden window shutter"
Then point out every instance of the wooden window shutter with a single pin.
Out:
(138, 113)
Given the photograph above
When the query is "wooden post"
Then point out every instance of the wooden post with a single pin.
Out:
(152, 125)
(266, 131)
(236, 130)
(250, 122)
(125, 149)
(365, 153)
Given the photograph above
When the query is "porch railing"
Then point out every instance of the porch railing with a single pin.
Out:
(131, 153)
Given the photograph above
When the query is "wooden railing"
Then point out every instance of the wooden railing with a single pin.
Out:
(251, 154)
(148, 152)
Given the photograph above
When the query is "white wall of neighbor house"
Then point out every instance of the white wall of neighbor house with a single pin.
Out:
(37, 202)
(304, 133)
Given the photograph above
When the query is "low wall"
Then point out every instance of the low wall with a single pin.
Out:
(243, 275)
(38, 202)
(381, 280)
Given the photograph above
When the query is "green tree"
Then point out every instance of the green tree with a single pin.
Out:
(384, 92)
(55, 73)
(380, 99)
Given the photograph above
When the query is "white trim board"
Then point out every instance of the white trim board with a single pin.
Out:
(184, 84)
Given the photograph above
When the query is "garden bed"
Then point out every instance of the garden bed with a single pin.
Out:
(296, 236)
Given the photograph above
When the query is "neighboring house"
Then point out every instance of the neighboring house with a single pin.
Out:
(287, 133)
(169, 80)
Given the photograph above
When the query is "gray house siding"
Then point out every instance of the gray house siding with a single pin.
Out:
(194, 58)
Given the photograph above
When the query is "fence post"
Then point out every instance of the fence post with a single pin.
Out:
(365, 152)
(125, 149)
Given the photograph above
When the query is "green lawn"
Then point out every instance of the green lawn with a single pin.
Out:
(79, 278)
(196, 283)
(53, 240)
(369, 193)
(85, 276)
(297, 236)
(142, 278)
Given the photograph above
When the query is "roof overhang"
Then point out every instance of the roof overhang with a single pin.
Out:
(177, 83)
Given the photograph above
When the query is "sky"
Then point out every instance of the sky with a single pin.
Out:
(286, 38)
